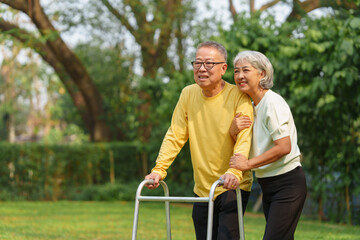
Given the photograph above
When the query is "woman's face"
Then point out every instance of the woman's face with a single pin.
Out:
(246, 77)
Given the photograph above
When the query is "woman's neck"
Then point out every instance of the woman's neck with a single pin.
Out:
(258, 95)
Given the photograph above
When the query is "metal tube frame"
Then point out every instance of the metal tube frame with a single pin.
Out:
(168, 199)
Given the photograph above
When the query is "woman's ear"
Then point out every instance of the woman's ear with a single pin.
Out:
(263, 73)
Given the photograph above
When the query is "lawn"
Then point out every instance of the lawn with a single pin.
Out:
(113, 220)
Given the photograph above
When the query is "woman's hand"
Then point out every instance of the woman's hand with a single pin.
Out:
(239, 123)
(240, 162)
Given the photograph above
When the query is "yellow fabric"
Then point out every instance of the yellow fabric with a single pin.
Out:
(206, 122)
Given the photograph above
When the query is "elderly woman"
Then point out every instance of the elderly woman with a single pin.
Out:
(275, 155)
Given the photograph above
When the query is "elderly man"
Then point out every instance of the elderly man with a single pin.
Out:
(203, 115)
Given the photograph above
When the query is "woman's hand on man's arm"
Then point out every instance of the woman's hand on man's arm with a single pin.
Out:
(239, 123)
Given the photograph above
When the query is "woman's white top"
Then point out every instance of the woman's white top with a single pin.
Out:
(273, 121)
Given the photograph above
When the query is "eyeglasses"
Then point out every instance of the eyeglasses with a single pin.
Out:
(208, 65)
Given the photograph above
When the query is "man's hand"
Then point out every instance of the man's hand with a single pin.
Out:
(240, 162)
(154, 176)
(230, 181)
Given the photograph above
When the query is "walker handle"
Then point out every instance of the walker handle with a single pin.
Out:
(221, 181)
(149, 181)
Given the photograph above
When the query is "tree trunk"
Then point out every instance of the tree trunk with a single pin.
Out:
(347, 199)
(321, 213)
(70, 69)
(301, 8)
(9, 95)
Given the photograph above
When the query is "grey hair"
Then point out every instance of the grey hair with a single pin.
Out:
(261, 63)
(215, 45)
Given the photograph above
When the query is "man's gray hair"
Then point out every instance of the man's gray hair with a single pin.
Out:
(215, 45)
(261, 63)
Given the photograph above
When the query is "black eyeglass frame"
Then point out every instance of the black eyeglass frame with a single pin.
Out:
(204, 63)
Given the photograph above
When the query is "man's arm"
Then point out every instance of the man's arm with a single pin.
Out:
(174, 140)
(243, 138)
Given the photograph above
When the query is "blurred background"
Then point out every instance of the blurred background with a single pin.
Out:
(87, 90)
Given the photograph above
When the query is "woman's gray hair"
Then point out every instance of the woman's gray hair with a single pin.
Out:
(261, 63)
(215, 45)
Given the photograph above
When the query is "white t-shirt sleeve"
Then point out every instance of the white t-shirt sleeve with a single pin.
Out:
(277, 121)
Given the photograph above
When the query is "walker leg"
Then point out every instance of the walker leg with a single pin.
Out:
(137, 203)
(240, 214)
(210, 218)
(136, 217)
(211, 210)
(167, 200)
(167, 210)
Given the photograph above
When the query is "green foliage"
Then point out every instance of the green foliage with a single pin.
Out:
(112, 71)
(72, 133)
(125, 191)
(316, 67)
(43, 172)
(17, 92)
(164, 103)
(325, 102)
(81, 172)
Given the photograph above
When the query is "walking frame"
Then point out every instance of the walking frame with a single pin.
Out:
(167, 199)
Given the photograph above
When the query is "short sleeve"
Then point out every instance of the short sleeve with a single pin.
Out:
(277, 119)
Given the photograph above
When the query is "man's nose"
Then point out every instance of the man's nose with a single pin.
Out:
(202, 67)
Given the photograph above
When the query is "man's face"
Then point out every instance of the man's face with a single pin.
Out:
(209, 79)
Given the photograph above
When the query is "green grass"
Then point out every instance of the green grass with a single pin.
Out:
(113, 220)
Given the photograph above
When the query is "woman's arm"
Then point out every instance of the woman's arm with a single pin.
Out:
(281, 148)
(239, 123)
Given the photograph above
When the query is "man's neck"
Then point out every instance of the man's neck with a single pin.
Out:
(214, 91)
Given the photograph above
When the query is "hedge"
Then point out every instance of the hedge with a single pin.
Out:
(50, 172)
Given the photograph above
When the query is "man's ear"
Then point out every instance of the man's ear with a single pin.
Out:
(224, 68)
